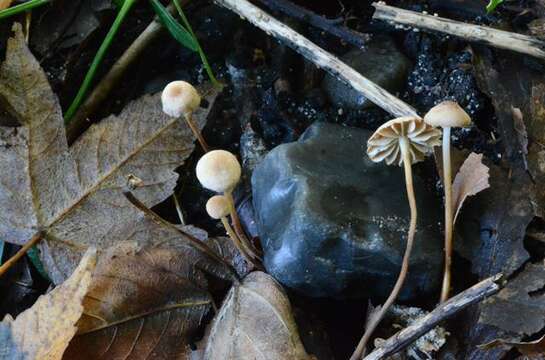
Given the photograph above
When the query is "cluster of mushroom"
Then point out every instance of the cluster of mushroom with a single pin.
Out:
(217, 170)
(404, 141)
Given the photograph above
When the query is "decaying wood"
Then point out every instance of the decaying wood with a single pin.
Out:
(319, 56)
(330, 26)
(104, 88)
(405, 337)
(497, 38)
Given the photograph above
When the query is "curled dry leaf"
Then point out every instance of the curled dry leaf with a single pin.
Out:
(75, 194)
(531, 349)
(145, 301)
(255, 322)
(519, 307)
(471, 179)
(44, 331)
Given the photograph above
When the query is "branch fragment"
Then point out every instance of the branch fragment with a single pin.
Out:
(520, 43)
(320, 57)
(405, 337)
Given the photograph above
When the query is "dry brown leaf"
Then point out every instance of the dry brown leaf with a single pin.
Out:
(522, 134)
(536, 131)
(255, 322)
(519, 307)
(4, 4)
(471, 179)
(145, 302)
(74, 194)
(532, 350)
(44, 331)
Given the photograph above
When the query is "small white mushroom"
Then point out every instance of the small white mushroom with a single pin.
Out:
(180, 98)
(447, 115)
(218, 207)
(220, 171)
(401, 141)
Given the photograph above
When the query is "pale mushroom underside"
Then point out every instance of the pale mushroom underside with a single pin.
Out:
(384, 145)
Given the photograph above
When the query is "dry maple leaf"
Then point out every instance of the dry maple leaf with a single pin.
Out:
(4, 4)
(144, 303)
(519, 307)
(44, 331)
(471, 179)
(74, 194)
(255, 322)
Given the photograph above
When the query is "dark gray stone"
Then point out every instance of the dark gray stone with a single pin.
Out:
(381, 62)
(334, 224)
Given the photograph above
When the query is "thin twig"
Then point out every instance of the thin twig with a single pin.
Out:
(320, 57)
(178, 208)
(497, 38)
(22, 251)
(103, 89)
(300, 13)
(193, 241)
(452, 306)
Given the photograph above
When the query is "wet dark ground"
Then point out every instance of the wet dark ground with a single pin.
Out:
(286, 97)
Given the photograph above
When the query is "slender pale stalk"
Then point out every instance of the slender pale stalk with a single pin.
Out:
(189, 120)
(373, 323)
(449, 215)
(236, 240)
(238, 226)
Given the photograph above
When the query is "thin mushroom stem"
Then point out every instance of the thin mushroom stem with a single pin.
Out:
(238, 226)
(373, 323)
(449, 216)
(236, 240)
(189, 120)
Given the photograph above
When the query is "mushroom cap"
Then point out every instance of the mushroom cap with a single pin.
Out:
(384, 143)
(217, 206)
(218, 170)
(179, 98)
(447, 114)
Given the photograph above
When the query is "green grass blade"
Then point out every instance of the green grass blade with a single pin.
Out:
(176, 30)
(127, 5)
(204, 60)
(14, 10)
(492, 5)
(33, 255)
